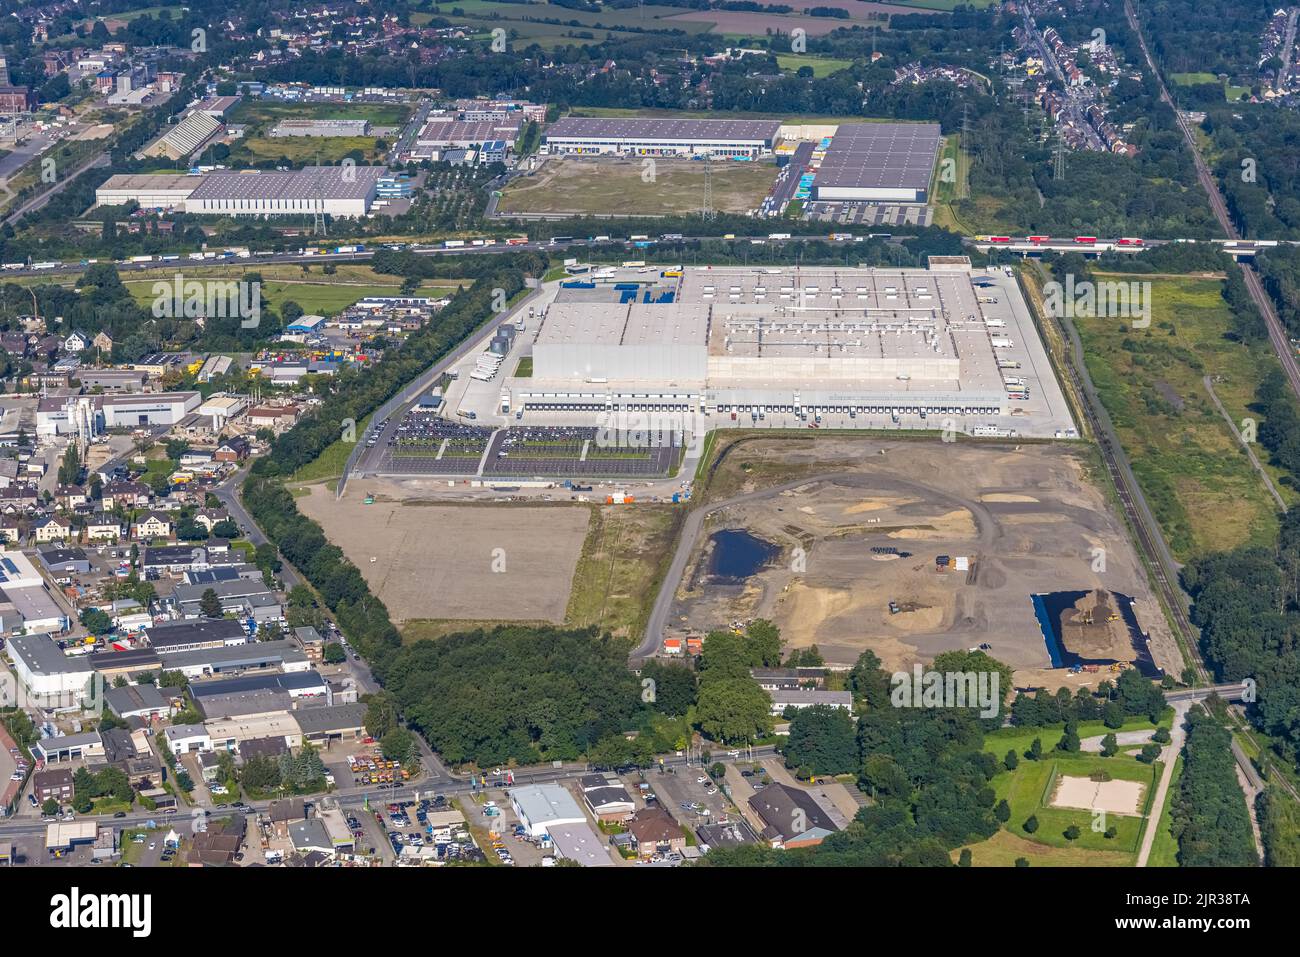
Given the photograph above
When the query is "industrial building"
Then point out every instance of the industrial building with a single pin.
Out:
(442, 133)
(150, 190)
(878, 162)
(185, 138)
(741, 139)
(89, 415)
(343, 191)
(728, 339)
(46, 676)
(321, 128)
(340, 191)
(236, 658)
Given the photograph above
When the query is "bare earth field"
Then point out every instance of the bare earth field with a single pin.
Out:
(1113, 797)
(1028, 519)
(500, 562)
(607, 185)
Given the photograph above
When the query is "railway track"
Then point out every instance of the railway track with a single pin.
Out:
(1151, 543)
(1276, 333)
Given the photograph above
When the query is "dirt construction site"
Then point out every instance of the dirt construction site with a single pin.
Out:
(859, 541)
(503, 562)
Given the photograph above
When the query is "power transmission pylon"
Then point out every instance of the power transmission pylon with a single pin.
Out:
(1058, 165)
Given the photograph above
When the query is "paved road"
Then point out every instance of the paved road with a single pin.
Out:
(40, 199)
(1177, 737)
(366, 458)
(228, 492)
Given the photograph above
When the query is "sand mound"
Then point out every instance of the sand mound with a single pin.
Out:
(1008, 497)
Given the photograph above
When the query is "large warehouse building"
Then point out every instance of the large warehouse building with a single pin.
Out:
(738, 339)
(340, 191)
(878, 163)
(149, 190)
(344, 191)
(663, 137)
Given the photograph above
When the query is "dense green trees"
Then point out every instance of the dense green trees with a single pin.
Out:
(924, 768)
(822, 740)
(515, 693)
(1209, 812)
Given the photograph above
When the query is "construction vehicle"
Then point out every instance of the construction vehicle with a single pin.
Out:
(370, 500)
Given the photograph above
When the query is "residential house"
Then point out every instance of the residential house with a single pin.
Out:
(76, 341)
(51, 529)
(126, 495)
(10, 530)
(656, 832)
(103, 342)
(607, 798)
(152, 525)
(104, 527)
(70, 497)
(207, 517)
(284, 813)
(53, 783)
(233, 450)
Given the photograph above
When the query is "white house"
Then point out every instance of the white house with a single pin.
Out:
(184, 738)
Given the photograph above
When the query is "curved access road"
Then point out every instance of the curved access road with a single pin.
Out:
(986, 530)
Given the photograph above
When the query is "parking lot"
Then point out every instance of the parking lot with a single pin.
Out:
(574, 451)
(690, 796)
(495, 826)
(407, 824)
(426, 444)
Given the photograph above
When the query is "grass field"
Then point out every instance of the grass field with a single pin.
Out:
(949, 190)
(311, 149)
(999, 742)
(1230, 92)
(571, 26)
(329, 464)
(608, 185)
(1164, 850)
(821, 65)
(1193, 470)
(316, 292)
(618, 572)
(259, 114)
(1028, 790)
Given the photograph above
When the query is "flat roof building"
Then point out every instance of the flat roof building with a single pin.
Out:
(231, 659)
(46, 676)
(540, 807)
(642, 136)
(342, 191)
(149, 190)
(878, 162)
